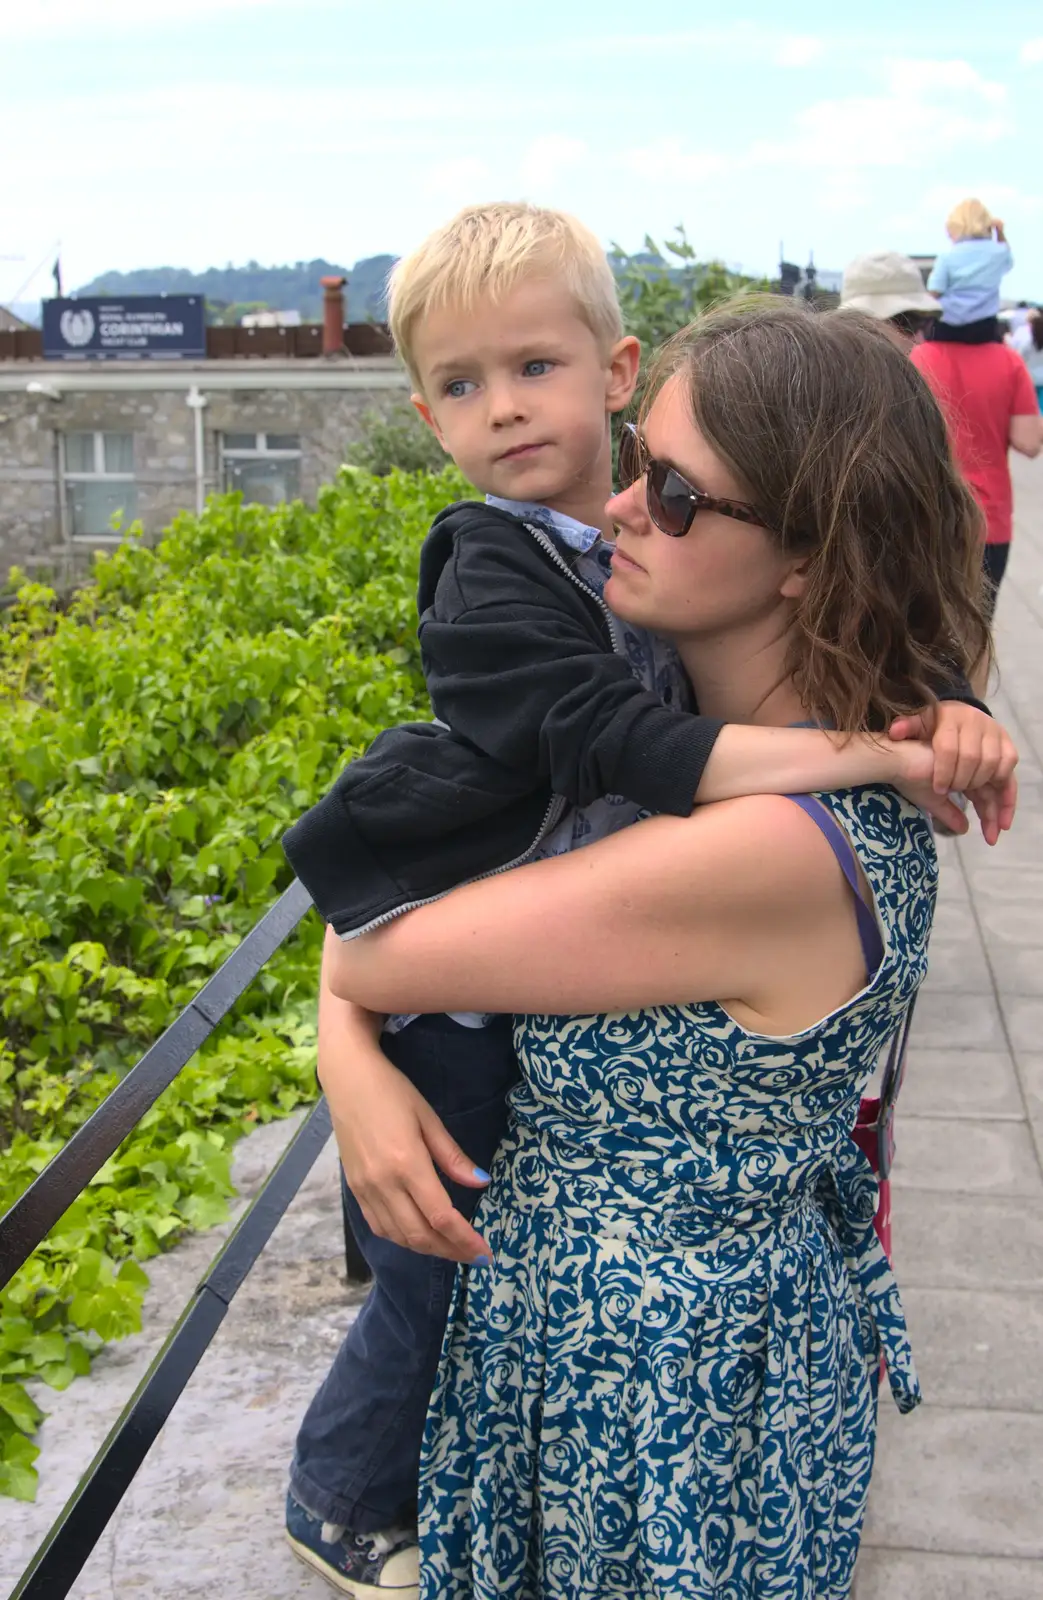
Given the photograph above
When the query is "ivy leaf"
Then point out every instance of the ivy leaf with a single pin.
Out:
(19, 1406)
(17, 1481)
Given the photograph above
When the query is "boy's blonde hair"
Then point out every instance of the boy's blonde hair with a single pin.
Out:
(970, 220)
(487, 250)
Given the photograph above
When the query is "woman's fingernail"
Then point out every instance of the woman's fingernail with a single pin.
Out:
(481, 1175)
(481, 1261)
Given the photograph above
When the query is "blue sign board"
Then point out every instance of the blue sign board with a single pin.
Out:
(160, 327)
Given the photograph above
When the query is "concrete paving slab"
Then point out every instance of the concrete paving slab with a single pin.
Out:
(971, 1083)
(912, 1575)
(1016, 971)
(1030, 1074)
(1010, 927)
(975, 1348)
(1016, 887)
(959, 1022)
(1024, 1019)
(978, 1158)
(963, 1481)
(953, 1241)
(958, 965)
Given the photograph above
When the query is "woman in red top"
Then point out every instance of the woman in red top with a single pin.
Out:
(990, 404)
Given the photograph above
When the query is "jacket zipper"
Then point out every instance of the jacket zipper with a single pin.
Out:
(546, 544)
(551, 817)
(558, 804)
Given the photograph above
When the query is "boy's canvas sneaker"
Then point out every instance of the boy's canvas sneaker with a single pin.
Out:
(369, 1566)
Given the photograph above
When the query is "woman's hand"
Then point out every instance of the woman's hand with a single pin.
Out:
(389, 1140)
(972, 754)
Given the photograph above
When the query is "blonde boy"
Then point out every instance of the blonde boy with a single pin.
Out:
(967, 278)
(557, 724)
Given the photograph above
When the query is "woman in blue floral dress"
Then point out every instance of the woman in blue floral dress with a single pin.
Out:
(662, 1385)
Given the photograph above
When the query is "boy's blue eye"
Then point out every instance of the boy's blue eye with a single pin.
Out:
(458, 387)
(537, 369)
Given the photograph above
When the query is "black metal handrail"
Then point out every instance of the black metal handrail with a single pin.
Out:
(71, 1538)
(35, 1213)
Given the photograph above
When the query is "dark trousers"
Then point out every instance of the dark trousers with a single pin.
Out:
(358, 1448)
(994, 565)
(986, 330)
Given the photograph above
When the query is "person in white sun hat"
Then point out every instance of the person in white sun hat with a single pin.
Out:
(888, 287)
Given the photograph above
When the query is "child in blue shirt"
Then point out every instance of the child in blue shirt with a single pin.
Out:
(967, 278)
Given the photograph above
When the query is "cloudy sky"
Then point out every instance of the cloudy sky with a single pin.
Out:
(198, 132)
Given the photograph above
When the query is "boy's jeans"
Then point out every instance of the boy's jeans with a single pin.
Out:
(358, 1449)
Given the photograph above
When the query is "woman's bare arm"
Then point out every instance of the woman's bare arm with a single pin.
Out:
(710, 906)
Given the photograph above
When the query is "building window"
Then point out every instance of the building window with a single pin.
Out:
(264, 467)
(99, 482)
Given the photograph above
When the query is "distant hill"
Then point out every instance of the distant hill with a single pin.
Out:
(289, 288)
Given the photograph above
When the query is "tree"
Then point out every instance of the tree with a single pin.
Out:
(659, 298)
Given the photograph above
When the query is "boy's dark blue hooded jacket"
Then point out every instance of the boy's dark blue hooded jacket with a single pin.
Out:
(541, 710)
(538, 709)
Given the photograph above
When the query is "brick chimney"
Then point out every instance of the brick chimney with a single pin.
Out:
(333, 316)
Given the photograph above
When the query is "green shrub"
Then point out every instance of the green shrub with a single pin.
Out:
(395, 437)
(156, 738)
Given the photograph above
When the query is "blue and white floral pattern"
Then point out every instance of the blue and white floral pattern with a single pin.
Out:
(664, 1386)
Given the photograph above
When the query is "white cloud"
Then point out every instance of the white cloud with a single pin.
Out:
(461, 181)
(799, 50)
(912, 79)
(1004, 200)
(669, 160)
(930, 108)
(1031, 51)
(43, 19)
(546, 158)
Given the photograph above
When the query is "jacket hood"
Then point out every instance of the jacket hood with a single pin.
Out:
(464, 516)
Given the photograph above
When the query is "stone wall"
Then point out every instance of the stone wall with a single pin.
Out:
(33, 529)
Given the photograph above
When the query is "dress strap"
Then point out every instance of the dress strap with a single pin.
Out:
(840, 844)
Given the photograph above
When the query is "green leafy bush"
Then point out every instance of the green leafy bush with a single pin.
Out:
(394, 436)
(665, 287)
(157, 736)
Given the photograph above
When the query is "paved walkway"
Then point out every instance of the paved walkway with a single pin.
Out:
(957, 1510)
(957, 1507)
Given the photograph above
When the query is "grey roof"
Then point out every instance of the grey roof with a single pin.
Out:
(9, 323)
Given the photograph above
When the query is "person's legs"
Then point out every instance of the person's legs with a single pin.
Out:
(986, 330)
(358, 1448)
(994, 565)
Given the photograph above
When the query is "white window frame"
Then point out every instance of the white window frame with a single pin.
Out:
(98, 475)
(261, 451)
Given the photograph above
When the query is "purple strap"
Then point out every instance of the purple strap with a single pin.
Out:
(868, 932)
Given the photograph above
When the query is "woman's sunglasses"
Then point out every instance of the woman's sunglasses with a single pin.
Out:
(672, 501)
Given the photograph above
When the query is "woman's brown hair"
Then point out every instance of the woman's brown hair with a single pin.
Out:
(838, 442)
(1036, 328)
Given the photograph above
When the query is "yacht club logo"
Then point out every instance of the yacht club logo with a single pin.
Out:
(77, 328)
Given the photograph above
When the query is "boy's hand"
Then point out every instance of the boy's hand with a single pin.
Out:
(974, 755)
(389, 1140)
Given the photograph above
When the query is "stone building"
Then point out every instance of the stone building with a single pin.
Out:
(82, 442)
(79, 445)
